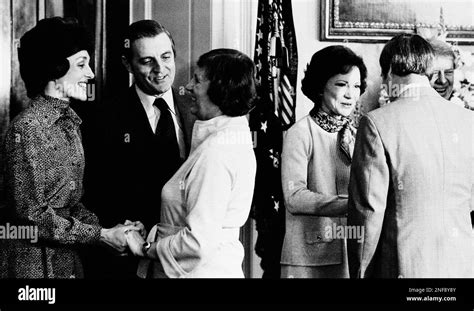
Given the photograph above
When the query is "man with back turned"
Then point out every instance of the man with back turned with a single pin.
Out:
(412, 177)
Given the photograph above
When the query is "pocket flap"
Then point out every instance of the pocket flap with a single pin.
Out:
(317, 237)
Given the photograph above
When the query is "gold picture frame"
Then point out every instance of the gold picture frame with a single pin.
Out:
(380, 20)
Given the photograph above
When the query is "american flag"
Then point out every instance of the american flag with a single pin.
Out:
(276, 61)
(276, 57)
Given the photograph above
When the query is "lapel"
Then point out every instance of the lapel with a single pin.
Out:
(136, 116)
(182, 103)
(134, 120)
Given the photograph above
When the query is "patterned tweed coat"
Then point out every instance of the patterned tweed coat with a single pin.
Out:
(44, 165)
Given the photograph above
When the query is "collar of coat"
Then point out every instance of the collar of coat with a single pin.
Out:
(50, 109)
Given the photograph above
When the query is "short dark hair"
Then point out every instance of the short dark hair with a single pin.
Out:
(44, 50)
(406, 54)
(325, 64)
(232, 84)
(146, 28)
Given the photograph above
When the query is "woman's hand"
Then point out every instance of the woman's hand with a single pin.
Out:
(135, 242)
(115, 237)
(137, 224)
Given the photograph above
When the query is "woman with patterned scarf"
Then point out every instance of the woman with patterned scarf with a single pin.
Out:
(316, 161)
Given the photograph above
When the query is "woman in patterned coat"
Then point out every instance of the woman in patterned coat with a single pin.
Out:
(45, 161)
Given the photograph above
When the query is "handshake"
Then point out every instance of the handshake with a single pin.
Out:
(124, 237)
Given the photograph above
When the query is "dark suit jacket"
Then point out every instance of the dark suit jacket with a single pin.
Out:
(126, 166)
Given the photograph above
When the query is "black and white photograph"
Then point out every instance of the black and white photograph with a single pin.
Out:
(274, 151)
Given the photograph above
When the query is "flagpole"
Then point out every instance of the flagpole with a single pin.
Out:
(276, 63)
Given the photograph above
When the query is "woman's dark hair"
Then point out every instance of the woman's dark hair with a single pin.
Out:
(146, 28)
(327, 63)
(43, 51)
(405, 54)
(232, 84)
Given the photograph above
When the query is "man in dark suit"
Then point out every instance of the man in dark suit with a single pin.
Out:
(142, 137)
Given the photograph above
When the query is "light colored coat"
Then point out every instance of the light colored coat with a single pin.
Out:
(205, 204)
(315, 177)
(412, 184)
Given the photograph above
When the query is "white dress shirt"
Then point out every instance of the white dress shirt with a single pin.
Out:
(153, 114)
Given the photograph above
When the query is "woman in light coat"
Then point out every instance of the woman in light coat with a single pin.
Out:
(316, 160)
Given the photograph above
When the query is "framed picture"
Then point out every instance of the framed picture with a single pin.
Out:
(380, 20)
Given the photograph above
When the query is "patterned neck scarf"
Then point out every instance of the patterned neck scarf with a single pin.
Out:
(343, 125)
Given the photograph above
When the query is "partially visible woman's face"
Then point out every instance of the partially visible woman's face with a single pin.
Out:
(341, 93)
(442, 78)
(202, 106)
(74, 83)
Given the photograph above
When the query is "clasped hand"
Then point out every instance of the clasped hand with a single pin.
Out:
(135, 242)
(116, 237)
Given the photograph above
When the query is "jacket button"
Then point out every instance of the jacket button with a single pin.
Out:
(400, 185)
